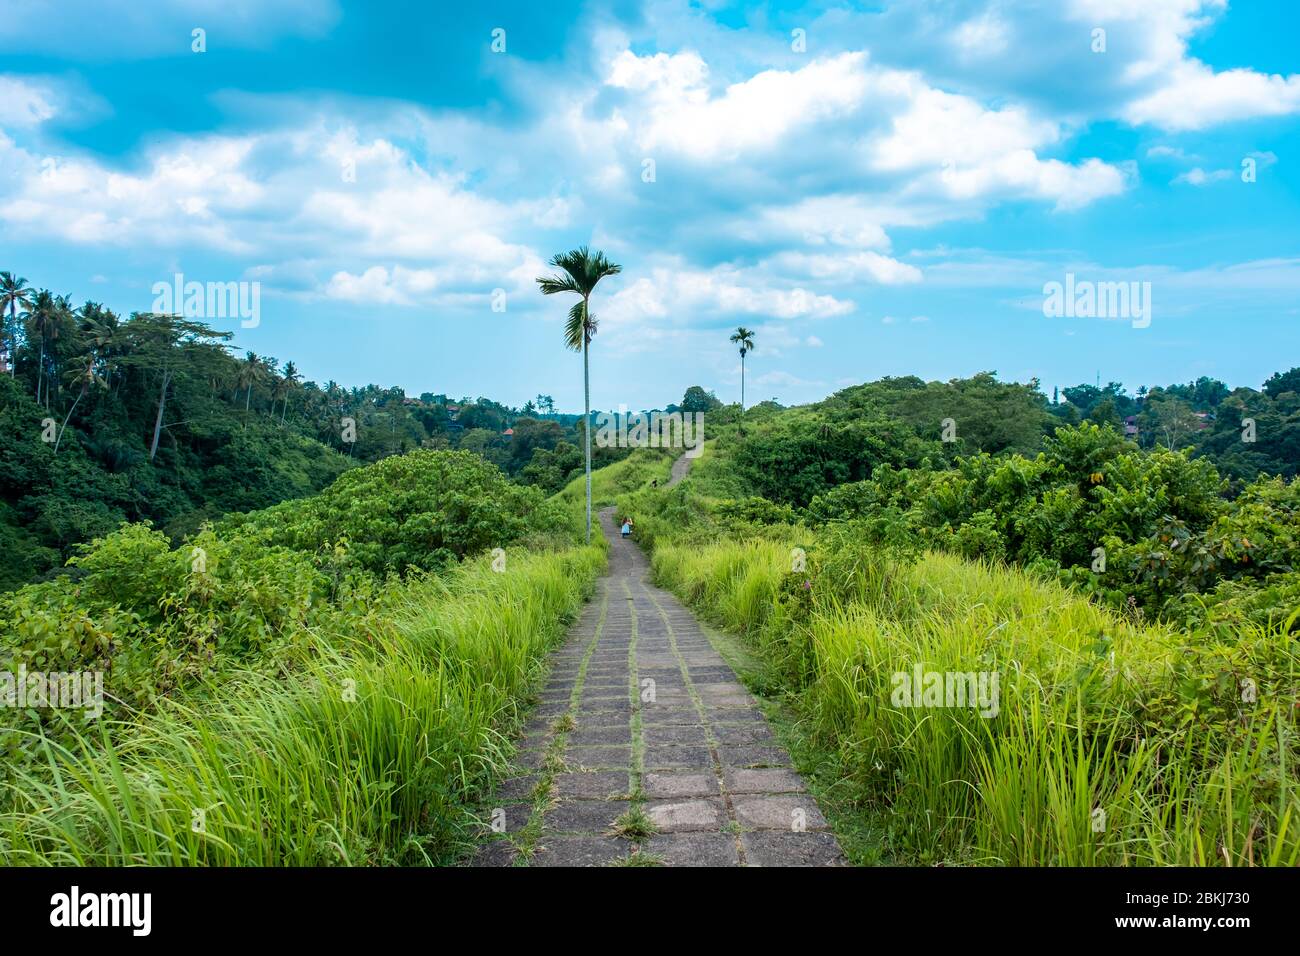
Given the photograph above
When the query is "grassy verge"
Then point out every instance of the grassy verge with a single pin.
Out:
(633, 473)
(367, 753)
(1109, 742)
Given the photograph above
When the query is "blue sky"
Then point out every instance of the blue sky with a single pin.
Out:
(875, 189)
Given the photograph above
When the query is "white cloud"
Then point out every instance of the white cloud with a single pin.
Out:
(25, 102)
(851, 267)
(304, 192)
(1195, 97)
(377, 284)
(958, 147)
(813, 342)
(677, 294)
(677, 112)
(1199, 177)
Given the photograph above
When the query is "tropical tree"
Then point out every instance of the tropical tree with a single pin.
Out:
(581, 269)
(250, 374)
(745, 339)
(50, 316)
(99, 332)
(290, 382)
(14, 292)
(170, 348)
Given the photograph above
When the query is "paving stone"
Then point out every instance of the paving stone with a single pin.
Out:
(736, 734)
(618, 734)
(517, 788)
(509, 818)
(671, 757)
(772, 848)
(580, 851)
(674, 734)
(729, 689)
(665, 785)
(659, 715)
(694, 849)
(528, 759)
(597, 758)
(590, 816)
(672, 816)
(591, 786)
(763, 781)
(495, 853)
(778, 813)
(753, 755)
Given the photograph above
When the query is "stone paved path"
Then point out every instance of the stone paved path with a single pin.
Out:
(643, 722)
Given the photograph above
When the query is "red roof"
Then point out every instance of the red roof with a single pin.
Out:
(509, 433)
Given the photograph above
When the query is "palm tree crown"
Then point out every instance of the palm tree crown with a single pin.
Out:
(14, 293)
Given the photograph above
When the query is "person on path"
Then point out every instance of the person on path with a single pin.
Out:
(627, 527)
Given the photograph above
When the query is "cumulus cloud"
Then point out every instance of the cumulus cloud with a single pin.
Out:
(677, 112)
(681, 295)
(289, 193)
(850, 267)
(1195, 97)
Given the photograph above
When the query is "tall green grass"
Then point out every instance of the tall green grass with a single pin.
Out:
(632, 473)
(369, 752)
(1114, 742)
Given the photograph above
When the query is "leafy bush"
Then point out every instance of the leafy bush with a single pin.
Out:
(422, 510)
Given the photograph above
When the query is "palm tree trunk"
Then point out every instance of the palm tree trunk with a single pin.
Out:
(40, 372)
(66, 419)
(13, 340)
(586, 405)
(247, 398)
(162, 404)
(742, 383)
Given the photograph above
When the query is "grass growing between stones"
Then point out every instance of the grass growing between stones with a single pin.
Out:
(528, 839)
(634, 825)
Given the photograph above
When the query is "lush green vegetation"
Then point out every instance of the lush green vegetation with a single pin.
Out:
(354, 629)
(151, 418)
(309, 658)
(1147, 696)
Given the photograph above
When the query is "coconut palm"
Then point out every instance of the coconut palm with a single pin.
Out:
(745, 339)
(99, 331)
(291, 380)
(250, 373)
(48, 317)
(581, 269)
(14, 292)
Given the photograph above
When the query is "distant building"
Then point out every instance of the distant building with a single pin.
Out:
(509, 433)
(1130, 426)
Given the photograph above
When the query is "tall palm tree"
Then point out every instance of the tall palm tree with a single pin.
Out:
(14, 292)
(581, 269)
(45, 321)
(291, 379)
(745, 339)
(250, 373)
(99, 331)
